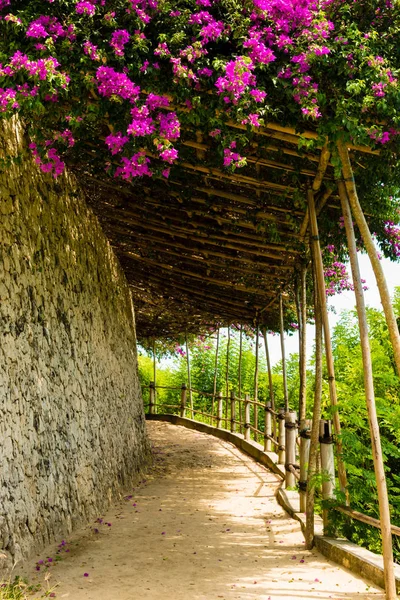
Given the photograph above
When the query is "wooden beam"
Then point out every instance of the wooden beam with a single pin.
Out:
(209, 264)
(214, 240)
(241, 199)
(222, 300)
(192, 274)
(290, 135)
(273, 164)
(202, 229)
(199, 250)
(322, 166)
(304, 226)
(237, 178)
(216, 215)
(166, 214)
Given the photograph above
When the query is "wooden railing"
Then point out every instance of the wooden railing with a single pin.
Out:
(282, 434)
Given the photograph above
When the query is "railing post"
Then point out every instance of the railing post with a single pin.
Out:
(327, 464)
(305, 440)
(233, 411)
(268, 428)
(219, 410)
(281, 437)
(247, 417)
(290, 446)
(183, 399)
(152, 398)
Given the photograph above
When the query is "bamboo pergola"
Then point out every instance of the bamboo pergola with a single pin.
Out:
(208, 245)
(214, 247)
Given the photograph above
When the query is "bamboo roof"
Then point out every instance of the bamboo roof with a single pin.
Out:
(211, 246)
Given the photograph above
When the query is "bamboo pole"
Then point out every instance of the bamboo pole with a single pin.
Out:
(215, 376)
(303, 344)
(384, 509)
(155, 375)
(243, 200)
(322, 166)
(321, 204)
(240, 372)
(233, 411)
(285, 390)
(227, 373)
(202, 227)
(354, 514)
(290, 447)
(189, 376)
(152, 391)
(256, 383)
(197, 255)
(327, 466)
(305, 438)
(370, 246)
(256, 248)
(195, 275)
(267, 428)
(289, 134)
(183, 399)
(317, 257)
(240, 361)
(270, 384)
(312, 463)
(281, 437)
(219, 410)
(247, 417)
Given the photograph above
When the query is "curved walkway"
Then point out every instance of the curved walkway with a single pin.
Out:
(204, 525)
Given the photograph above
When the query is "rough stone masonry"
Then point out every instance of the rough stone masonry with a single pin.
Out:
(72, 430)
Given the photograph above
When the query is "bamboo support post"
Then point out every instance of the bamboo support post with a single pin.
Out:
(219, 410)
(327, 466)
(305, 440)
(189, 377)
(319, 270)
(312, 463)
(183, 399)
(152, 398)
(240, 368)
(268, 428)
(281, 436)
(384, 510)
(233, 412)
(303, 343)
(282, 331)
(290, 446)
(372, 253)
(270, 384)
(155, 375)
(256, 384)
(227, 372)
(215, 377)
(247, 417)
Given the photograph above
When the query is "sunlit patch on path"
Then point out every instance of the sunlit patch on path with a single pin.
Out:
(203, 524)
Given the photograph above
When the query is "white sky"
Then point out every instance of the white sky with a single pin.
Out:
(344, 301)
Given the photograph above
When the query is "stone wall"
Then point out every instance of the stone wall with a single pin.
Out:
(72, 430)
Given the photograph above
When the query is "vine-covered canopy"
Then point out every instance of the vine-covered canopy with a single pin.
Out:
(196, 128)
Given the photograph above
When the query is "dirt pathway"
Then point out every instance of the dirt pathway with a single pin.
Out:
(204, 525)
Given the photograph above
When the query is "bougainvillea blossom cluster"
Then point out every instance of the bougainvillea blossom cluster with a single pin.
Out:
(111, 60)
(393, 237)
(337, 279)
